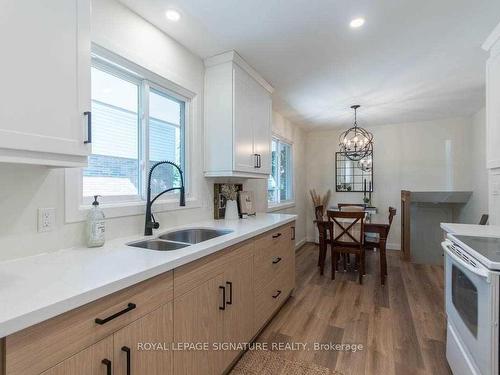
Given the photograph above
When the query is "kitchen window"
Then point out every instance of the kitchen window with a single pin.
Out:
(280, 182)
(135, 123)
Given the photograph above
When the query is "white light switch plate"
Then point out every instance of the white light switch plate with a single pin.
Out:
(46, 219)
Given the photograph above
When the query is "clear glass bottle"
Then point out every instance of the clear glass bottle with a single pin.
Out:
(96, 231)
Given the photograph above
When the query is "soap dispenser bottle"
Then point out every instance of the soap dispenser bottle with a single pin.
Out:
(95, 225)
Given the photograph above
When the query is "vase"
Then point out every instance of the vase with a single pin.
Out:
(231, 210)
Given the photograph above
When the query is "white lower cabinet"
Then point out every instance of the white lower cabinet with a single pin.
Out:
(46, 82)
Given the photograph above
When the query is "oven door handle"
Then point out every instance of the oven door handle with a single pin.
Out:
(483, 272)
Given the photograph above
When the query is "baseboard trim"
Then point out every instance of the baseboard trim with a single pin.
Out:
(299, 244)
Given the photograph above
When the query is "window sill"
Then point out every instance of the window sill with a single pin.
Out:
(131, 208)
(280, 206)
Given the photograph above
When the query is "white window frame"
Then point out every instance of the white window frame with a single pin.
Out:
(280, 205)
(76, 207)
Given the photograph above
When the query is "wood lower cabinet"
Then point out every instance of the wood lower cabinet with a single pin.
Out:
(198, 320)
(185, 322)
(144, 347)
(238, 316)
(95, 360)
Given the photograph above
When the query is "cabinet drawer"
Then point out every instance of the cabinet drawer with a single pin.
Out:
(37, 348)
(273, 295)
(269, 263)
(273, 240)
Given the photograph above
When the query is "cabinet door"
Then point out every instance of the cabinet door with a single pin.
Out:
(95, 360)
(239, 314)
(45, 76)
(493, 111)
(132, 351)
(244, 107)
(262, 129)
(198, 320)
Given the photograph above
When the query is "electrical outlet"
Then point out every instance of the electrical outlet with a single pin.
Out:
(46, 219)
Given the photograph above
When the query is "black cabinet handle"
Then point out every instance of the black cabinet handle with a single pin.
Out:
(256, 160)
(223, 307)
(89, 126)
(130, 307)
(230, 285)
(126, 349)
(278, 292)
(293, 233)
(276, 235)
(259, 161)
(107, 363)
(276, 260)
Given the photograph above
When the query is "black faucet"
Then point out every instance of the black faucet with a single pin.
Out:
(151, 223)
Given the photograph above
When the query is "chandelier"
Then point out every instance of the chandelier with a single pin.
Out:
(356, 143)
(365, 164)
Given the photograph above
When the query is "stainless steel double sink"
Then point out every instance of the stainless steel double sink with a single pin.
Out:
(179, 239)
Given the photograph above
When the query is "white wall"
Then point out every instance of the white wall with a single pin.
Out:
(23, 189)
(478, 204)
(422, 156)
(292, 133)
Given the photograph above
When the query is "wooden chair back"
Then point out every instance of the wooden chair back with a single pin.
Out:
(347, 228)
(392, 213)
(357, 207)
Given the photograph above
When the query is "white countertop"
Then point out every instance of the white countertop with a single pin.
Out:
(472, 229)
(37, 288)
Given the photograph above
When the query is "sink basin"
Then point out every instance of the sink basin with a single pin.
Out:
(158, 245)
(194, 235)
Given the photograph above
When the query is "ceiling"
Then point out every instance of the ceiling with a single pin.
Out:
(411, 61)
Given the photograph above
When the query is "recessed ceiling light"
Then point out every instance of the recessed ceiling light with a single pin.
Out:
(357, 22)
(172, 15)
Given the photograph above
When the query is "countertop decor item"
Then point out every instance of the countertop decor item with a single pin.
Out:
(221, 194)
(356, 143)
(246, 203)
(96, 232)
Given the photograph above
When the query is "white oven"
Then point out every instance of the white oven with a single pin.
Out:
(472, 295)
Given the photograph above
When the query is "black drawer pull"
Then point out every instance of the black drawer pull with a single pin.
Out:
(276, 260)
(107, 363)
(89, 126)
(256, 160)
(126, 349)
(276, 235)
(130, 307)
(230, 285)
(278, 292)
(223, 307)
(293, 233)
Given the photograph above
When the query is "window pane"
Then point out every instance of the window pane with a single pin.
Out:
(113, 166)
(285, 172)
(272, 182)
(166, 125)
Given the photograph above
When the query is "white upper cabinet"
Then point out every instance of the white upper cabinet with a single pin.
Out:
(238, 109)
(492, 45)
(45, 69)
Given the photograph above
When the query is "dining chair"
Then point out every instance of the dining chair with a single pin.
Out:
(323, 232)
(347, 234)
(372, 240)
(358, 207)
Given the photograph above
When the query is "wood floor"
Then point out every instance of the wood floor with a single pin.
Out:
(401, 325)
